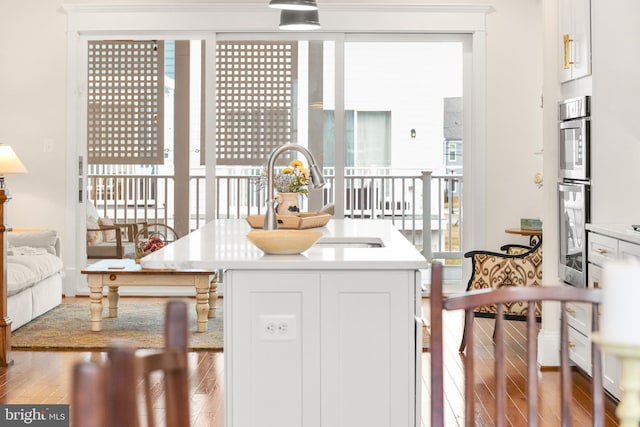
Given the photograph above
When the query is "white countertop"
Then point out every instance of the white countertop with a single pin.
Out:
(618, 231)
(223, 244)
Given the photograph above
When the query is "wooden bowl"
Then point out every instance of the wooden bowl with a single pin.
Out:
(283, 242)
(300, 221)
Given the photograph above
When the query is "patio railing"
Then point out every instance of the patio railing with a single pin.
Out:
(425, 208)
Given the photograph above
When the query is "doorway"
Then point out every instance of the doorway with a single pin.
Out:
(214, 22)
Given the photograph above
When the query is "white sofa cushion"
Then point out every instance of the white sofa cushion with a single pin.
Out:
(36, 239)
(43, 265)
(94, 236)
(19, 277)
(25, 270)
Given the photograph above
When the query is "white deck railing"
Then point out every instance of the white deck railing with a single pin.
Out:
(414, 203)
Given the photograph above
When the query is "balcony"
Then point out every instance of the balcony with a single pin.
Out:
(424, 207)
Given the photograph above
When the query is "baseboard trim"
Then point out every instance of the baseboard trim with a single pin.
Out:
(548, 348)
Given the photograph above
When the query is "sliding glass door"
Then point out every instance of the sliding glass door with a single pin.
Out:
(376, 111)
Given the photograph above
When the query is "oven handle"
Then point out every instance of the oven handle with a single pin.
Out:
(575, 124)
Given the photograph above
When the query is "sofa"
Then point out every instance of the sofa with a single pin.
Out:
(34, 274)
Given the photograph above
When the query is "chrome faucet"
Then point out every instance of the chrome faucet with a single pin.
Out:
(318, 181)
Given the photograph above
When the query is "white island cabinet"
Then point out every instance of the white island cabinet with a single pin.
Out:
(327, 338)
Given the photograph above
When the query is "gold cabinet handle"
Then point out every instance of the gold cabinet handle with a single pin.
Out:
(596, 283)
(572, 345)
(567, 51)
(571, 311)
(602, 251)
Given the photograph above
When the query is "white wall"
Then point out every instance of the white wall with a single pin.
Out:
(514, 116)
(32, 109)
(33, 105)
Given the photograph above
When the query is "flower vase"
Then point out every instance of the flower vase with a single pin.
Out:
(287, 203)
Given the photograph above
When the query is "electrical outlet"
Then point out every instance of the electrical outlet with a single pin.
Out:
(278, 327)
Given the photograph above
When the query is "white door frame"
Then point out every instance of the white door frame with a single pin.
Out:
(205, 21)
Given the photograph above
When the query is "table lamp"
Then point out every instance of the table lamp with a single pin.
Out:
(9, 164)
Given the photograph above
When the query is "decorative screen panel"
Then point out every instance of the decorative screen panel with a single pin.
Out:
(125, 102)
(255, 99)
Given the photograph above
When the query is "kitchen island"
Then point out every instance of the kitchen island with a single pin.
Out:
(328, 337)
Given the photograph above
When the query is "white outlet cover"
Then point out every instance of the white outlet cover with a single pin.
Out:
(48, 145)
(277, 327)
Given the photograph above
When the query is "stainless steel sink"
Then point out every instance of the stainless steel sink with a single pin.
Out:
(350, 242)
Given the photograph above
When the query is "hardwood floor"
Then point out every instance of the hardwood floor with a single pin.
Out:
(550, 396)
(45, 377)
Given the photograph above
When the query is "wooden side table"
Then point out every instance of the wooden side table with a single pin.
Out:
(125, 272)
(534, 235)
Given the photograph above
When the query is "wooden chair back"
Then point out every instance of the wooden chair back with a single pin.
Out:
(89, 395)
(108, 394)
(501, 296)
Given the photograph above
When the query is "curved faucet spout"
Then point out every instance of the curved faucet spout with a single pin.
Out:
(317, 179)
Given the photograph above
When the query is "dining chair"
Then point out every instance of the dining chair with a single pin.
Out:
(529, 295)
(108, 394)
(516, 266)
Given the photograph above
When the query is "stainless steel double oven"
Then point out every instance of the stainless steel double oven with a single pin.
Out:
(574, 188)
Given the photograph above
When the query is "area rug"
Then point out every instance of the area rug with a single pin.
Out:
(67, 327)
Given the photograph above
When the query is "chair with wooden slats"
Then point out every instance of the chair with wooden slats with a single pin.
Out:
(107, 394)
(501, 296)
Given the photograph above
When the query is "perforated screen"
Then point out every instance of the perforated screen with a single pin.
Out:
(125, 102)
(255, 99)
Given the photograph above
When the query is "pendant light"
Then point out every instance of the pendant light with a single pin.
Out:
(294, 4)
(296, 20)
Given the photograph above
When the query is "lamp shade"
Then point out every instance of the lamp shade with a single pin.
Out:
(299, 20)
(294, 4)
(9, 162)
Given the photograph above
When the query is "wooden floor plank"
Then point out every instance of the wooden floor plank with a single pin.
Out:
(45, 377)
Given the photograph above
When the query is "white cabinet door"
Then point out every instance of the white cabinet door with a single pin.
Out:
(611, 374)
(273, 344)
(579, 318)
(603, 249)
(580, 350)
(628, 250)
(610, 363)
(368, 349)
(575, 39)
